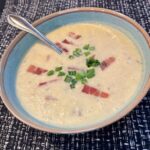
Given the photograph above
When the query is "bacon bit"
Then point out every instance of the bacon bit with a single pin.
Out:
(42, 83)
(49, 97)
(61, 46)
(46, 82)
(93, 91)
(104, 94)
(36, 70)
(78, 36)
(75, 68)
(74, 35)
(67, 42)
(105, 63)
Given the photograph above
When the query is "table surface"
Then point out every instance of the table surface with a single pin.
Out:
(2, 6)
(130, 133)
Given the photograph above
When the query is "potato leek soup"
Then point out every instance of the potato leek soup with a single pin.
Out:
(96, 75)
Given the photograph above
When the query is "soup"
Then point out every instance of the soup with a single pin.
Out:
(95, 76)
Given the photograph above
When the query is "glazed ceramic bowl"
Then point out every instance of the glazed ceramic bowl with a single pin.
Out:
(21, 44)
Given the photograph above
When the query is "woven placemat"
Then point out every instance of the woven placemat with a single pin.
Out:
(130, 133)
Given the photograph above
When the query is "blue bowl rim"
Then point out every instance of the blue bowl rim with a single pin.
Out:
(49, 17)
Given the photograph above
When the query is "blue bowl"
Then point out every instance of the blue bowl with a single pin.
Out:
(21, 44)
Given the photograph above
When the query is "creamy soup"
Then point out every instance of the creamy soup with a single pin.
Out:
(96, 75)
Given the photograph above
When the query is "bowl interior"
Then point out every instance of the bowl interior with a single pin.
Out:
(22, 46)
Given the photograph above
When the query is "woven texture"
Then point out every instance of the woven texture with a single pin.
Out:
(130, 133)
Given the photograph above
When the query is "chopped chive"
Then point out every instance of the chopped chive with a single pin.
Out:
(77, 52)
(71, 56)
(61, 73)
(73, 73)
(90, 73)
(86, 47)
(68, 78)
(80, 76)
(72, 86)
(72, 76)
(92, 48)
(91, 62)
(58, 68)
(87, 53)
(96, 63)
(83, 81)
(73, 83)
(51, 72)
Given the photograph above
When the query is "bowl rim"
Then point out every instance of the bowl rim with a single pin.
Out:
(86, 129)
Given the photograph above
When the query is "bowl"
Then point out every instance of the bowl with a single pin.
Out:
(21, 44)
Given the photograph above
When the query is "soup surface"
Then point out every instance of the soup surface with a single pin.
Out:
(96, 75)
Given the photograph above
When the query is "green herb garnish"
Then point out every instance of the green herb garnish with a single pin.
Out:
(72, 77)
(84, 80)
(61, 73)
(68, 79)
(73, 83)
(58, 68)
(72, 73)
(90, 73)
(77, 52)
(80, 75)
(51, 72)
(86, 47)
(87, 53)
(91, 48)
(71, 57)
(72, 86)
(91, 62)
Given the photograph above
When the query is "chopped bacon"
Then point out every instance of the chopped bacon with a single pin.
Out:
(93, 91)
(104, 94)
(42, 83)
(74, 35)
(75, 68)
(36, 70)
(62, 47)
(105, 63)
(46, 82)
(78, 36)
(67, 42)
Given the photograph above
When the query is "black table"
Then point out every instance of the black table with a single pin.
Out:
(2, 3)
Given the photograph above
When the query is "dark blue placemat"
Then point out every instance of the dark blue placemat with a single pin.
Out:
(2, 6)
(130, 133)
